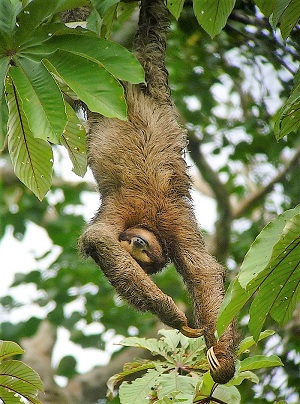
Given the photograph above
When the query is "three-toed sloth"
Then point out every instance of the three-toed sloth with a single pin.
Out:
(146, 217)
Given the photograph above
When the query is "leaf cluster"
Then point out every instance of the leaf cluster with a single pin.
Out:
(43, 65)
(17, 380)
(180, 372)
(270, 273)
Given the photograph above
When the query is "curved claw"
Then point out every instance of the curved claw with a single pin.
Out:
(214, 364)
(191, 332)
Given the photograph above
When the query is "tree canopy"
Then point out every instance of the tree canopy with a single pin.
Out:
(233, 74)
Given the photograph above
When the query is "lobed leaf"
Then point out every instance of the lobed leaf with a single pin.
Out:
(135, 367)
(138, 391)
(173, 382)
(156, 347)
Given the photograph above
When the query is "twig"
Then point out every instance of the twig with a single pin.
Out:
(258, 194)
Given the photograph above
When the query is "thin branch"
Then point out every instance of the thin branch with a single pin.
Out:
(221, 237)
(257, 195)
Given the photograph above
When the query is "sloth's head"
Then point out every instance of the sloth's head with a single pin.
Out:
(144, 247)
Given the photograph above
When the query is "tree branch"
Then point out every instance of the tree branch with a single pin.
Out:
(221, 237)
(257, 195)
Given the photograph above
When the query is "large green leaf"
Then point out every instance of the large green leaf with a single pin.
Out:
(260, 253)
(173, 382)
(4, 63)
(212, 15)
(34, 14)
(117, 60)
(102, 6)
(175, 7)
(21, 371)
(266, 6)
(138, 391)
(289, 117)
(285, 15)
(280, 290)
(74, 141)
(32, 158)
(8, 13)
(45, 115)
(98, 89)
(235, 299)
(272, 269)
(9, 348)
(259, 362)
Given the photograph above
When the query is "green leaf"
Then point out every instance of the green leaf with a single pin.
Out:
(98, 89)
(285, 15)
(260, 253)
(212, 15)
(8, 17)
(271, 266)
(4, 63)
(9, 397)
(129, 369)
(117, 60)
(175, 7)
(246, 375)
(45, 115)
(156, 347)
(173, 382)
(102, 6)
(34, 14)
(248, 342)
(24, 373)
(74, 141)
(260, 361)
(227, 394)
(9, 348)
(289, 117)
(137, 392)
(32, 158)
(279, 291)
(235, 299)
(266, 6)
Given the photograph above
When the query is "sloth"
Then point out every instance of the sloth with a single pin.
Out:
(146, 216)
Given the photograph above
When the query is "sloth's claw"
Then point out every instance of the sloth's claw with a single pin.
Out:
(191, 332)
(212, 359)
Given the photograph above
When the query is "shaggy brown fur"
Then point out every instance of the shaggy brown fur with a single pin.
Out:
(143, 180)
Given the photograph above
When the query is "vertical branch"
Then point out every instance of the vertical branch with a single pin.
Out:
(221, 237)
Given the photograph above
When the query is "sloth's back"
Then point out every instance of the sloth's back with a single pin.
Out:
(145, 151)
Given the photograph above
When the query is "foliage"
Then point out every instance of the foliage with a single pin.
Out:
(41, 63)
(17, 380)
(271, 270)
(181, 373)
(221, 87)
